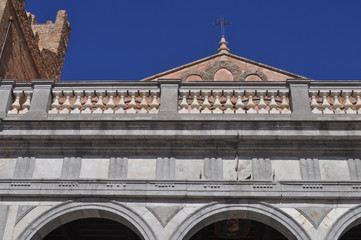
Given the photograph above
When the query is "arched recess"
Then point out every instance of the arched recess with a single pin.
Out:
(71, 211)
(348, 220)
(217, 65)
(263, 213)
(245, 74)
(201, 74)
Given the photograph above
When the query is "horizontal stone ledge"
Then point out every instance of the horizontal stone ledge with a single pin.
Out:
(182, 189)
(174, 116)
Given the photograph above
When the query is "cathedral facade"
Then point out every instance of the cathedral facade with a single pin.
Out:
(220, 148)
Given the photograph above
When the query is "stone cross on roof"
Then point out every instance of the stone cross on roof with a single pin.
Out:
(222, 22)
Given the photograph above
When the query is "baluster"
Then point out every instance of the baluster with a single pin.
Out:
(250, 104)
(77, 105)
(132, 105)
(314, 105)
(326, 107)
(206, 106)
(121, 106)
(15, 107)
(26, 104)
(217, 106)
(109, 107)
(239, 104)
(195, 103)
(184, 104)
(154, 106)
(285, 106)
(262, 105)
(336, 103)
(99, 105)
(55, 106)
(66, 105)
(348, 105)
(228, 105)
(273, 106)
(143, 104)
(357, 94)
(88, 105)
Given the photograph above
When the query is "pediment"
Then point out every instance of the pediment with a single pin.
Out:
(225, 67)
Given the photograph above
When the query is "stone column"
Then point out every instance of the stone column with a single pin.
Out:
(42, 98)
(169, 95)
(299, 99)
(6, 87)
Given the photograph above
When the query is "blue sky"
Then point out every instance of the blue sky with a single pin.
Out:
(134, 39)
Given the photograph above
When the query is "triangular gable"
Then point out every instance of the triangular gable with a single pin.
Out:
(225, 67)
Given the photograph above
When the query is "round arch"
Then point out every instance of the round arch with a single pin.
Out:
(263, 213)
(245, 74)
(71, 211)
(345, 222)
(217, 65)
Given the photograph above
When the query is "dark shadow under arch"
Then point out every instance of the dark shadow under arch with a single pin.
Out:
(262, 213)
(344, 223)
(71, 211)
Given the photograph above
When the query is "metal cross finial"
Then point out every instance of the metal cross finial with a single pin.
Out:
(222, 22)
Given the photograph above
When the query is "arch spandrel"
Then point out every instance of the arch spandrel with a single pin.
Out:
(263, 213)
(70, 211)
(344, 223)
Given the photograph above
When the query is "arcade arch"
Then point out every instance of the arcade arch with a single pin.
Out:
(72, 211)
(262, 213)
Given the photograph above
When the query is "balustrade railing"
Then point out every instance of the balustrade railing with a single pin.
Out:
(238, 101)
(113, 101)
(21, 101)
(291, 100)
(335, 101)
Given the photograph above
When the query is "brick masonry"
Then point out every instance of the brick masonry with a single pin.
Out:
(32, 50)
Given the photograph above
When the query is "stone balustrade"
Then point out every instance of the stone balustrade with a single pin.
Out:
(171, 99)
(238, 101)
(335, 101)
(101, 101)
(21, 101)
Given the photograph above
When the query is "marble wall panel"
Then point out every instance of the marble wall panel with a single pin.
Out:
(286, 169)
(47, 168)
(141, 168)
(189, 169)
(7, 167)
(236, 170)
(94, 168)
(334, 170)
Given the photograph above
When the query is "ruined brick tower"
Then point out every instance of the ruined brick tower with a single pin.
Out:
(32, 50)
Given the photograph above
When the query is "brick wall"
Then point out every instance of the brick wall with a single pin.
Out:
(32, 50)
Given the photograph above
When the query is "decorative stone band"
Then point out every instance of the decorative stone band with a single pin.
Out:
(178, 188)
(234, 101)
(335, 101)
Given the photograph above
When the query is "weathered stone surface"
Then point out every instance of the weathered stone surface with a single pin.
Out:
(22, 211)
(164, 213)
(3, 219)
(314, 214)
(42, 47)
